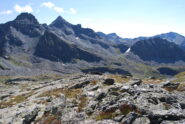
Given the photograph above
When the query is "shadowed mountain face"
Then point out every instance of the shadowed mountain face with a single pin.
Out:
(53, 48)
(19, 35)
(159, 50)
(174, 37)
(25, 34)
(63, 41)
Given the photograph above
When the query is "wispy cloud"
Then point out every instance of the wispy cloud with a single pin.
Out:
(73, 11)
(52, 6)
(6, 12)
(20, 9)
(48, 5)
(58, 9)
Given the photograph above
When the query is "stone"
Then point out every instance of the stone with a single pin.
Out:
(129, 118)
(28, 119)
(141, 120)
(168, 99)
(109, 81)
(135, 82)
(174, 122)
(80, 85)
(114, 88)
(170, 85)
(182, 105)
(100, 96)
(119, 118)
(114, 93)
(106, 122)
(94, 88)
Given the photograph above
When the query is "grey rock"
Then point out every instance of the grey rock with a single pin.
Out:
(80, 85)
(129, 118)
(28, 119)
(109, 81)
(114, 93)
(170, 85)
(100, 96)
(168, 99)
(114, 88)
(174, 122)
(135, 82)
(182, 105)
(118, 118)
(94, 88)
(4, 96)
(106, 122)
(141, 120)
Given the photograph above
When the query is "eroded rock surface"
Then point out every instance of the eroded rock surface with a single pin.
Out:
(92, 99)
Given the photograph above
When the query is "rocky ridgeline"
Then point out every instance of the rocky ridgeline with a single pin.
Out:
(92, 99)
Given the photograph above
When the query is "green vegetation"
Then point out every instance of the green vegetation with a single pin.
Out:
(119, 78)
(49, 119)
(180, 77)
(83, 102)
(69, 93)
(108, 114)
(19, 63)
(15, 100)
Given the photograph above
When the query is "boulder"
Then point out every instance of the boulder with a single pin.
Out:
(29, 118)
(136, 82)
(170, 85)
(80, 85)
(100, 96)
(129, 118)
(109, 81)
(141, 120)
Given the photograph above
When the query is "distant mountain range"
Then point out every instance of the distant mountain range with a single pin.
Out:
(171, 37)
(64, 42)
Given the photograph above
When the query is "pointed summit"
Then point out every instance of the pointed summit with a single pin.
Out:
(60, 22)
(112, 34)
(26, 18)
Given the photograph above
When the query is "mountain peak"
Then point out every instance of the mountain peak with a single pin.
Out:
(59, 22)
(26, 18)
(112, 34)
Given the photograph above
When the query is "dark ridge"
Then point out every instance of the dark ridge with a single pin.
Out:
(26, 18)
(159, 50)
(107, 70)
(55, 49)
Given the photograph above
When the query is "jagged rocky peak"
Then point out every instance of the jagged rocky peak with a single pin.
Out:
(26, 18)
(112, 34)
(60, 22)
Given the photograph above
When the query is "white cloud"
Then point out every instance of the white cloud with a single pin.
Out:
(58, 9)
(48, 4)
(21, 9)
(72, 11)
(7, 12)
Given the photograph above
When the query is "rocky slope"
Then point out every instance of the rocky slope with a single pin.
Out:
(159, 50)
(28, 47)
(92, 99)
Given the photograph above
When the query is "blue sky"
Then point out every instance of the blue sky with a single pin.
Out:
(127, 18)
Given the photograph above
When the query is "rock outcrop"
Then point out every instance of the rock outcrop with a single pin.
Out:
(93, 99)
